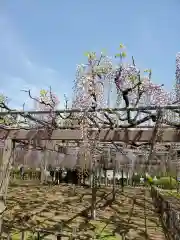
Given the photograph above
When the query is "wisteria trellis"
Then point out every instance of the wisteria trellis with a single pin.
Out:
(90, 92)
(133, 88)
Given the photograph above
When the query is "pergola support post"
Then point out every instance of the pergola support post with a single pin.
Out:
(5, 169)
(44, 167)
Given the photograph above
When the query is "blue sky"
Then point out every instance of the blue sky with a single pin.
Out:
(41, 42)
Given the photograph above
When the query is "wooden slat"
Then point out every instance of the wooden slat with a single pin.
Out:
(105, 135)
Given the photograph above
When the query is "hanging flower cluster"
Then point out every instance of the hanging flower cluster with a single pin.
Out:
(47, 100)
(178, 76)
(157, 95)
(130, 86)
(143, 90)
(90, 78)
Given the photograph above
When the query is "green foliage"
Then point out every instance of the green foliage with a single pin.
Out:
(123, 54)
(149, 180)
(86, 54)
(117, 55)
(6, 120)
(2, 98)
(16, 236)
(43, 92)
(29, 236)
(121, 46)
(90, 55)
(103, 231)
(133, 78)
(136, 178)
(166, 182)
(147, 70)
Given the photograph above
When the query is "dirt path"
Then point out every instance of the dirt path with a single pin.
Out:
(142, 217)
(48, 207)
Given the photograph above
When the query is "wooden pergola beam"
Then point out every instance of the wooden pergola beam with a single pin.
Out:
(105, 135)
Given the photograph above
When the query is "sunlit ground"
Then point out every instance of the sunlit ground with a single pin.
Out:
(63, 209)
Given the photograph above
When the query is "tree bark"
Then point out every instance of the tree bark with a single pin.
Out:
(23, 235)
(114, 180)
(94, 190)
(44, 167)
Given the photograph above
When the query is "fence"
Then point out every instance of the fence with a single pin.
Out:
(28, 175)
(35, 176)
(169, 209)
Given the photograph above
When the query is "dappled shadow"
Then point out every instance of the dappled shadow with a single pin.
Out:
(63, 208)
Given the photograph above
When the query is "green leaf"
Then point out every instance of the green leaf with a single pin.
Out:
(133, 78)
(86, 54)
(147, 70)
(117, 55)
(123, 54)
(90, 55)
(43, 93)
(121, 45)
(2, 98)
(93, 55)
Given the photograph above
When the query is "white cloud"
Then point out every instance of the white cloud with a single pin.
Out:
(18, 71)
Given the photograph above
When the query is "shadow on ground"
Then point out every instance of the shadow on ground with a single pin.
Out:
(67, 209)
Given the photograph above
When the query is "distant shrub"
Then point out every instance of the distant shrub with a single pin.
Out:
(149, 180)
(136, 179)
(166, 182)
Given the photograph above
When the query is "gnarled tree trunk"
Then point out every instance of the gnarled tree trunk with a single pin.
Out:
(44, 166)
